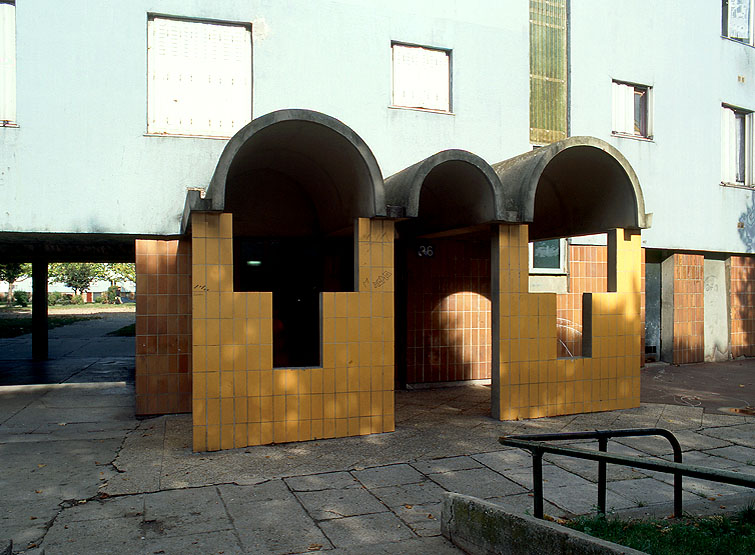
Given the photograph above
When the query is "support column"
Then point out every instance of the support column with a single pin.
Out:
(39, 310)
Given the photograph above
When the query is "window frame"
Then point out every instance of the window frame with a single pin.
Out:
(725, 23)
(728, 171)
(187, 133)
(618, 129)
(449, 56)
(563, 261)
(8, 98)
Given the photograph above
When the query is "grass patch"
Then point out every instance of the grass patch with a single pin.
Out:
(125, 331)
(719, 534)
(12, 327)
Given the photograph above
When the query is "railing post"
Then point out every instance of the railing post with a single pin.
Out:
(603, 447)
(537, 481)
(677, 476)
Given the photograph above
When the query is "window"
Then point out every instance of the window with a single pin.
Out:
(421, 77)
(200, 77)
(736, 146)
(631, 110)
(7, 63)
(737, 20)
(548, 257)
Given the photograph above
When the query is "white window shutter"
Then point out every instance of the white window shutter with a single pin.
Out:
(725, 148)
(623, 108)
(200, 77)
(421, 77)
(7, 62)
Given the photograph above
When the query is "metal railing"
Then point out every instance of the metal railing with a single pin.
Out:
(535, 444)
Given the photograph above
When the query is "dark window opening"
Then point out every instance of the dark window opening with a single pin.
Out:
(296, 270)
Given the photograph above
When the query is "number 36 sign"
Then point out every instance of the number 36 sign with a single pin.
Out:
(425, 250)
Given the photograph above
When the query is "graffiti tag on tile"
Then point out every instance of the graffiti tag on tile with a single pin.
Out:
(381, 280)
(201, 288)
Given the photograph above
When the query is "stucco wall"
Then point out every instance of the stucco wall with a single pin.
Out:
(82, 90)
(675, 47)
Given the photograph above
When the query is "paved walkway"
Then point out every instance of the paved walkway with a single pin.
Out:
(82, 475)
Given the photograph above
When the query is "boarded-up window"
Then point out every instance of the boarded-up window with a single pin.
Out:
(7, 63)
(736, 17)
(200, 77)
(548, 71)
(421, 77)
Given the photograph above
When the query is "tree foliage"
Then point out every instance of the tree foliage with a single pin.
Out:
(12, 272)
(76, 275)
(119, 271)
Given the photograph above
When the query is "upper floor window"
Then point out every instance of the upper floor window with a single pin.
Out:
(736, 146)
(631, 110)
(737, 20)
(200, 77)
(421, 77)
(7, 63)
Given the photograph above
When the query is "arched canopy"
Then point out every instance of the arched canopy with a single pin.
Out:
(577, 186)
(294, 172)
(451, 189)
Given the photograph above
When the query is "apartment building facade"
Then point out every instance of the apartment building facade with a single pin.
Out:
(329, 200)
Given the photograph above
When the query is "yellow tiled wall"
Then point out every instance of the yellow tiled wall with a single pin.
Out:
(239, 399)
(532, 381)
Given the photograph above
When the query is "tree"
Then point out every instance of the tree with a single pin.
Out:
(76, 275)
(119, 271)
(11, 272)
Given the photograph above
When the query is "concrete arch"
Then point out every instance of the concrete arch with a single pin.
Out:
(577, 186)
(452, 188)
(293, 166)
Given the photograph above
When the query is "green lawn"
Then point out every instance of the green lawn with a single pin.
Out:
(719, 534)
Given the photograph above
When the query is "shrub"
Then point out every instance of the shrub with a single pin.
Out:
(21, 298)
(77, 299)
(54, 297)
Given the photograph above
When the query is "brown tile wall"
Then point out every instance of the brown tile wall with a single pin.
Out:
(448, 312)
(588, 271)
(742, 298)
(163, 326)
(688, 308)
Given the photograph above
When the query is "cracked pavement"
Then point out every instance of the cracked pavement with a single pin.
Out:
(82, 475)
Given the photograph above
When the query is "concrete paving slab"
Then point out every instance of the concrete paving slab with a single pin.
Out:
(338, 503)
(181, 512)
(739, 453)
(477, 482)
(267, 518)
(390, 475)
(744, 434)
(328, 480)
(371, 529)
(424, 520)
(421, 493)
(432, 545)
(446, 464)
(524, 504)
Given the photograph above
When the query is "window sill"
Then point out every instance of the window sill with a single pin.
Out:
(178, 135)
(428, 110)
(635, 137)
(737, 185)
(737, 41)
(544, 272)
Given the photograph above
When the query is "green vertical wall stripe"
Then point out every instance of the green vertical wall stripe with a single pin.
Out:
(548, 71)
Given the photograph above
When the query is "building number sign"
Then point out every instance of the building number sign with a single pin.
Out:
(425, 250)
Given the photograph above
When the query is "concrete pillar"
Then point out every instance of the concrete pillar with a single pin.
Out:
(39, 310)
